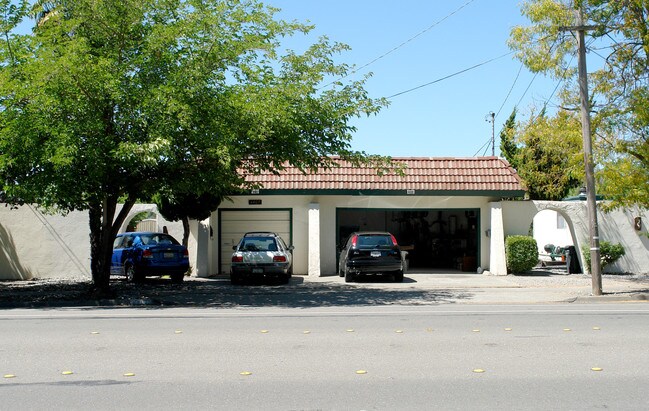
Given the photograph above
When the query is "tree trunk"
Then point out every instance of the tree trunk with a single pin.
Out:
(185, 221)
(100, 282)
(103, 229)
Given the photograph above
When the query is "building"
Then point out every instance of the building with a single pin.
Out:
(439, 210)
(450, 214)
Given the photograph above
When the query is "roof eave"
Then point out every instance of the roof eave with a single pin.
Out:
(405, 193)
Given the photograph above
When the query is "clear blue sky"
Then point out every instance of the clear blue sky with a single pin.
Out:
(445, 119)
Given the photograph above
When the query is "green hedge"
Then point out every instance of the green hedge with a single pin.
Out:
(608, 253)
(521, 252)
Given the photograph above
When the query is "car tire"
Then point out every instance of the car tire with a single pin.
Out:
(132, 275)
(235, 279)
(349, 277)
(177, 278)
(398, 276)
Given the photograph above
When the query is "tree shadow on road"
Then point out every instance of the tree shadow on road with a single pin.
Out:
(303, 295)
(211, 293)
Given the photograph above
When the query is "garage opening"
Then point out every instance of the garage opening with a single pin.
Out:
(233, 224)
(433, 238)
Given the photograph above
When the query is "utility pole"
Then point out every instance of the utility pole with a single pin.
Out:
(492, 120)
(591, 201)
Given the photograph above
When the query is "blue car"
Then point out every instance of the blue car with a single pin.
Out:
(137, 255)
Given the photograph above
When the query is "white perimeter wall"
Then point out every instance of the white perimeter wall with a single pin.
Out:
(615, 227)
(38, 245)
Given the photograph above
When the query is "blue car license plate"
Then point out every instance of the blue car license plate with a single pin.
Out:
(169, 255)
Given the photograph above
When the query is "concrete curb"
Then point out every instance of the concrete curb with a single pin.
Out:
(614, 298)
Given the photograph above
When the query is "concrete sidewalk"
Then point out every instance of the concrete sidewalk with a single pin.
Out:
(418, 288)
(543, 286)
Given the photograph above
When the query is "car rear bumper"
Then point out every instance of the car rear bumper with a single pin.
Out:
(374, 267)
(152, 270)
(259, 271)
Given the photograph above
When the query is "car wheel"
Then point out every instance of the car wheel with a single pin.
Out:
(398, 276)
(131, 276)
(235, 279)
(349, 277)
(177, 278)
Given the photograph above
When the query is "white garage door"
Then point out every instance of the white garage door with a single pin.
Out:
(235, 223)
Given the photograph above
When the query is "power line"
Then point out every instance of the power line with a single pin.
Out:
(402, 44)
(482, 146)
(450, 75)
(510, 90)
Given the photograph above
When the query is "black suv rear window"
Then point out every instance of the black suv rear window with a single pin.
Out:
(373, 241)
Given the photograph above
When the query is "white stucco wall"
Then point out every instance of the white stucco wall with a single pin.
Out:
(34, 245)
(38, 245)
(615, 227)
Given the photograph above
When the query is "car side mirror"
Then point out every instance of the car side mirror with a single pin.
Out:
(291, 248)
(234, 247)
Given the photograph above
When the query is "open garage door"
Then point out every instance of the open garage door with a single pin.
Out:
(233, 224)
(434, 238)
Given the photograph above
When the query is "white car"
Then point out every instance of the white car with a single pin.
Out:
(261, 255)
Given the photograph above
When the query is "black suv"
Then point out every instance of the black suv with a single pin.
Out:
(371, 253)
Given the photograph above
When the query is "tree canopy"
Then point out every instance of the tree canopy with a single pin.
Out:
(545, 150)
(109, 102)
(618, 35)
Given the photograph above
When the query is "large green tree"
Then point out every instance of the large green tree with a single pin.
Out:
(545, 150)
(619, 34)
(110, 102)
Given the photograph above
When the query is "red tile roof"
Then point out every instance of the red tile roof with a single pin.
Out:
(477, 174)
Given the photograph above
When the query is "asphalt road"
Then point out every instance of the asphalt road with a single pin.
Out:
(330, 358)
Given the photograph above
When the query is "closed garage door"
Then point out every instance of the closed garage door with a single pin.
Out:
(234, 224)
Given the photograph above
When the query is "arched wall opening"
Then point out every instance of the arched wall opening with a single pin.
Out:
(518, 218)
(553, 231)
(142, 217)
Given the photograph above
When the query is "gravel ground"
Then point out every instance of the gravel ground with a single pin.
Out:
(557, 277)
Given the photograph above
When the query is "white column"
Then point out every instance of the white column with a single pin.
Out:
(497, 261)
(314, 240)
(198, 245)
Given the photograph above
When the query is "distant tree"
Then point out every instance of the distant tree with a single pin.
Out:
(508, 147)
(547, 155)
(619, 89)
(110, 102)
(183, 207)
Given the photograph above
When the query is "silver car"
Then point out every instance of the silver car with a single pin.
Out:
(261, 255)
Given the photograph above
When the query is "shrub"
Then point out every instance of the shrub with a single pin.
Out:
(521, 253)
(608, 253)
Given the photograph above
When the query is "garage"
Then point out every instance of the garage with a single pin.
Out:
(441, 210)
(233, 224)
(434, 238)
